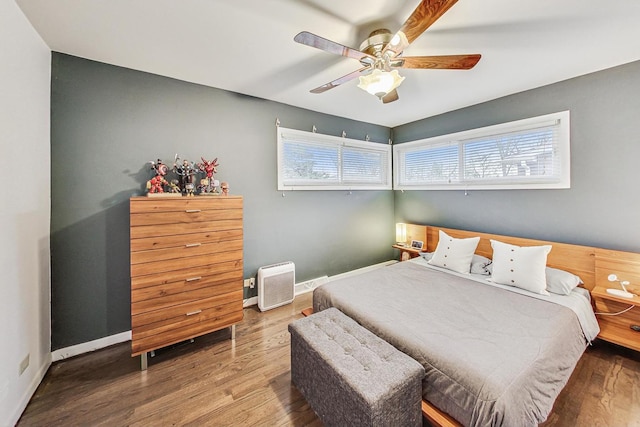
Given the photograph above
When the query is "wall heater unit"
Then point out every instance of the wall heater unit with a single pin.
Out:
(276, 284)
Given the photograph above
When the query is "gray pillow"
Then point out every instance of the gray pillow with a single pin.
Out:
(426, 255)
(561, 282)
(480, 265)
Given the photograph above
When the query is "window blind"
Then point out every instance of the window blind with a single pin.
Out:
(311, 161)
(530, 153)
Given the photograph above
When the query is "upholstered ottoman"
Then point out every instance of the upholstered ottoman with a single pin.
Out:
(351, 377)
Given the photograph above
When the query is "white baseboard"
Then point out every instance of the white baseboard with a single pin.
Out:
(250, 301)
(28, 393)
(310, 285)
(361, 270)
(86, 347)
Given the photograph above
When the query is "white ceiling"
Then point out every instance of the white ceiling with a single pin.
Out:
(247, 46)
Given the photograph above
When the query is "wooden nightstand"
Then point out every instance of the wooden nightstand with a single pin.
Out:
(617, 329)
(411, 252)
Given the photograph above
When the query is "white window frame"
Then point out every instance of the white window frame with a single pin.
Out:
(286, 135)
(562, 180)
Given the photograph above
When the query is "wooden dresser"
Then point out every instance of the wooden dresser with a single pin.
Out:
(186, 269)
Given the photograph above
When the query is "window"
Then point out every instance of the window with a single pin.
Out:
(530, 153)
(311, 161)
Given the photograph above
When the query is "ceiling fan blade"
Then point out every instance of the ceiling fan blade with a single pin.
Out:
(321, 43)
(338, 82)
(390, 97)
(427, 12)
(444, 62)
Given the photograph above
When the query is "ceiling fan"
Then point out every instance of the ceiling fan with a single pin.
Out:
(381, 53)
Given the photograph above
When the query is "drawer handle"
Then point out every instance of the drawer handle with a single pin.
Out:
(191, 313)
(192, 245)
(192, 210)
(193, 279)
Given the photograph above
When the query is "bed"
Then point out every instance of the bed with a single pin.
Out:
(494, 355)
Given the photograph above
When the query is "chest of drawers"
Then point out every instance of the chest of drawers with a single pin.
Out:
(186, 269)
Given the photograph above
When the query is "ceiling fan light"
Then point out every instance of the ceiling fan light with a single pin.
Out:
(380, 83)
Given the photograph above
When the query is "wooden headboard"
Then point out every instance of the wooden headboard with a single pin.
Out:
(593, 265)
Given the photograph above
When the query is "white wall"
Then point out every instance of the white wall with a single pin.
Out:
(24, 210)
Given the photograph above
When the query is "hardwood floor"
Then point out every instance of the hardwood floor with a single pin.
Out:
(215, 382)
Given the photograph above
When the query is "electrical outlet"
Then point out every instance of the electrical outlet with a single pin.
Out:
(252, 282)
(247, 283)
(24, 364)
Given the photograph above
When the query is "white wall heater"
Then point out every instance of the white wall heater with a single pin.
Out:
(276, 284)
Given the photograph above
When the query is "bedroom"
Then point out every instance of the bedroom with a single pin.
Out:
(600, 209)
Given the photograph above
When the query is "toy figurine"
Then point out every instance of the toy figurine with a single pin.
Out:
(224, 186)
(204, 182)
(157, 183)
(209, 168)
(186, 175)
(173, 186)
(190, 189)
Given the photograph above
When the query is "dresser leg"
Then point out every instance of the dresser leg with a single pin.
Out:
(143, 361)
(233, 332)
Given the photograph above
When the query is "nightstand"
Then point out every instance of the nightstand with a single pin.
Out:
(411, 252)
(617, 329)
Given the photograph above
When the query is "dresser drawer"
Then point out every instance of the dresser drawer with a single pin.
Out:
(185, 216)
(184, 263)
(144, 231)
(166, 290)
(163, 242)
(192, 249)
(186, 275)
(219, 318)
(202, 203)
(184, 313)
(165, 296)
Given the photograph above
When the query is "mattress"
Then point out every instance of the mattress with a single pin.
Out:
(492, 357)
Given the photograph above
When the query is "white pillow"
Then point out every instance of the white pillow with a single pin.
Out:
(454, 254)
(520, 266)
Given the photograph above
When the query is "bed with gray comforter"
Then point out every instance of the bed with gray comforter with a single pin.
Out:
(492, 357)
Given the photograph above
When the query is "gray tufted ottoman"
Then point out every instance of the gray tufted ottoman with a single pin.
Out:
(350, 377)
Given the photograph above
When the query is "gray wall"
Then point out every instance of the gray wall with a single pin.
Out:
(107, 122)
(602, 207)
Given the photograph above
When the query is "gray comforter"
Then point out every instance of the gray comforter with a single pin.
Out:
(492, 357)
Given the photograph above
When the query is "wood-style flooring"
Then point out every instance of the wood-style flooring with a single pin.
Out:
(215, 382)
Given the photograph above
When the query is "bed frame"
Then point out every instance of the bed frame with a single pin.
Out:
(593, 265)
